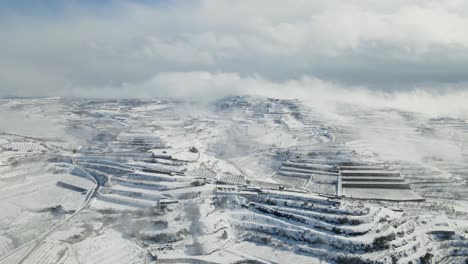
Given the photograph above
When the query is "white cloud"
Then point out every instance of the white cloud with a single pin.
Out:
(356, 43)
(323, 95)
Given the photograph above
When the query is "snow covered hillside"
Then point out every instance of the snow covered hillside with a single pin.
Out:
(239, 180)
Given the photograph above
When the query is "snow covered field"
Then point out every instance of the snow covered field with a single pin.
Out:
(242, 180)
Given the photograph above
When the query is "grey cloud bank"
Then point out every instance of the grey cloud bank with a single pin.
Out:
(215, 48)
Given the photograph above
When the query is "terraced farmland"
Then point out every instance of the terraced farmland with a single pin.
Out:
(242, 180)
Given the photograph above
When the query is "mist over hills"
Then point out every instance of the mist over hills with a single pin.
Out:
(247, 131)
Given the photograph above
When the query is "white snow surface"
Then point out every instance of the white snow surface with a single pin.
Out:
(241, 180)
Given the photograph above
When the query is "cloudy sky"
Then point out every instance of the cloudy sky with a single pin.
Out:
(218, 47)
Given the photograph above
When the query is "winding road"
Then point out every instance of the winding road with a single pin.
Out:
(37, 241)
